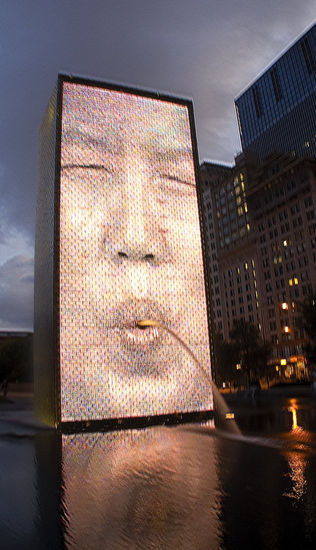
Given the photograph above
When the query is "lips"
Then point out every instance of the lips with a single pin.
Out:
(123, 320)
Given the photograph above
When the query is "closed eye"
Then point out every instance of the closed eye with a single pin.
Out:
(86, 167)
(178, 180)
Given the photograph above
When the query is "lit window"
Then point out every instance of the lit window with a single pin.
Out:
(295, 280)
(283, 362)
(240, 211)
(285, 243)
(284, 305)
(290, 282)
(287, 329)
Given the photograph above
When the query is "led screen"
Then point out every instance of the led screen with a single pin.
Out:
(130, 250)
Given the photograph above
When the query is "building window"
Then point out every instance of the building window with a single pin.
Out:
(308, 56)
(276, 84)
(257, 101)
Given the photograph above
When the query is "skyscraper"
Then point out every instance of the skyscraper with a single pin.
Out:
(260, 214)
(277, 112)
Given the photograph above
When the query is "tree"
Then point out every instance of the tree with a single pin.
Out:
(307, 322)
(262, 361)
(16, 359)
(252, 351)
(226, 357)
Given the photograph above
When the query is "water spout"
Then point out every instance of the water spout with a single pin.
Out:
(224, 417)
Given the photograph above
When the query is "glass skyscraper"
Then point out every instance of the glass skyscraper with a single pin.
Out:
(277, 113)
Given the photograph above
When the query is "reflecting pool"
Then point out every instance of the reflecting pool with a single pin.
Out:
(186, 487)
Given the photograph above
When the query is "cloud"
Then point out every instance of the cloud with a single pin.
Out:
(16, 293)
(208, 50)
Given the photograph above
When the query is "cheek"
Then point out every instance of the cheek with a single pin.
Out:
(184, 241)
(81, 235)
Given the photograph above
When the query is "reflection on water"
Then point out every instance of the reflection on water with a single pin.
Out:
(18, 503)
(182, 487)
(154, 488)
(297, 466)
(299, 473)
(296, 459)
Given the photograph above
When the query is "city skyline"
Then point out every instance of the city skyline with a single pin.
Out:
(200, 52)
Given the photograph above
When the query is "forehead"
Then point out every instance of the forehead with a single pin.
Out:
(115, 118)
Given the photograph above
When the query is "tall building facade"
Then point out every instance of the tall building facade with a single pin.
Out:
(277, 113)
(282, 201)
(231, 246)
(260, 214)
(260, 227)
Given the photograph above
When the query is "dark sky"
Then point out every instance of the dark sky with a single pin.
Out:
(208, 50)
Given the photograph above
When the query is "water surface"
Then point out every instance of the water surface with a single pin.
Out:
(186, 487)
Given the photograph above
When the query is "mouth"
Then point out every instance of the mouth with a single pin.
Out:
(138, 325)
(142, 334)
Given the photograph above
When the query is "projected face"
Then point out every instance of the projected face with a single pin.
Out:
(129, 250)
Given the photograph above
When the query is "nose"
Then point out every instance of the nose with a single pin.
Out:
(136, 237)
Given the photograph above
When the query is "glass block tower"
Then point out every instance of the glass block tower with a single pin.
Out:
(277, 112)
